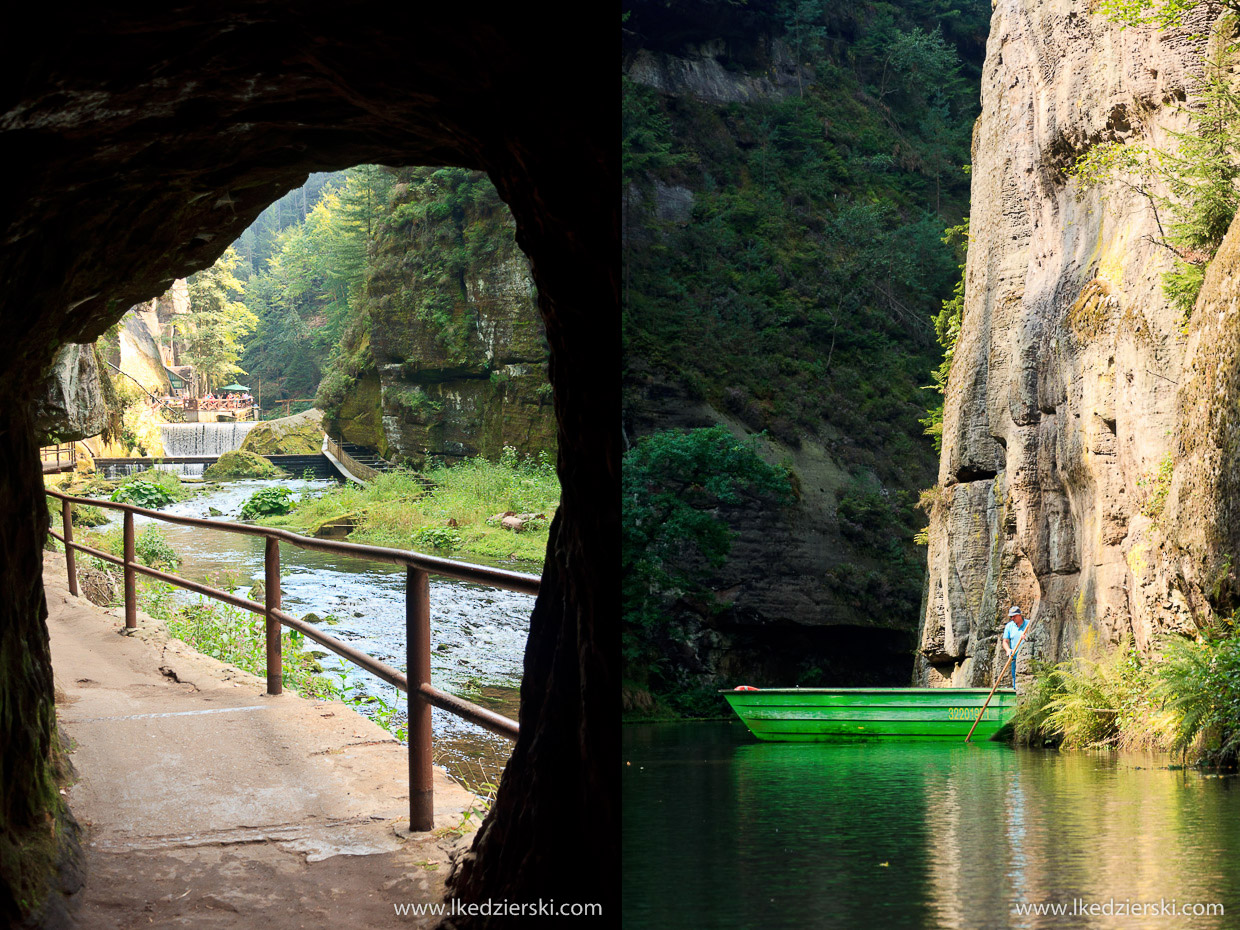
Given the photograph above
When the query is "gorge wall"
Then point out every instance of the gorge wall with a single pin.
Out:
(447, 356)
(784, 205)
(1082, 436)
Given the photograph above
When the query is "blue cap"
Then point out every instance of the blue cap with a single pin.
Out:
(1014, 612)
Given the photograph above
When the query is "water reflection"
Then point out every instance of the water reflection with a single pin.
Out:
(721, 831)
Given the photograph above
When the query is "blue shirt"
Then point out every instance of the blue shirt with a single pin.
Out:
(1012, 633)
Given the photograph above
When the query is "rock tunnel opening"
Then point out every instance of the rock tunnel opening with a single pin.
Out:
(150, 140)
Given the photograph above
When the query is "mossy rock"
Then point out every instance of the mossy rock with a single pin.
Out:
(241, 464)
(360, 418)
(301, 434)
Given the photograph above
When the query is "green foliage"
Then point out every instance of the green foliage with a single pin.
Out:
(673, 484)
(210, 334)
(796, 294)
(1164, 14)
(1198, 683)
(146, 494)
(307, 290)
(152, 549)
(231, 635)
(947, 324)
(1187, 699)
(86, 515)
(438, 537)
(417, 403)
(1156, 486)
(267, 502)
(400, 507)
(1090, 701)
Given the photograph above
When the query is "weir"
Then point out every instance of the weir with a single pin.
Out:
(203, 438)
(199, 439)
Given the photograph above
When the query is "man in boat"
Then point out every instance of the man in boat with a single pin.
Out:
(1012, 635)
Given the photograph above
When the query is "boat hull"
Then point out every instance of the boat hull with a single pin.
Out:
(823, 714)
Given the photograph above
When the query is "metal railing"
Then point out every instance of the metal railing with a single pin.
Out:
(364, 473)
(50, 457)
(418, 569)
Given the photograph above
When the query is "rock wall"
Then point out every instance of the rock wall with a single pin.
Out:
(454, 335)
(1064, 414)
(71, 404)
(141, 356)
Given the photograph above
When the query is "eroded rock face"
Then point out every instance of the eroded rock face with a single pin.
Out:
(1064, 397)
(147, 142)
(455, 341)
(71, 405)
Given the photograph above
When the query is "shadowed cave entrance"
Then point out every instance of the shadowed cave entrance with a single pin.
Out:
(146, 143)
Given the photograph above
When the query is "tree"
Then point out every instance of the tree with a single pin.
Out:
(218, 320)
(673, 484)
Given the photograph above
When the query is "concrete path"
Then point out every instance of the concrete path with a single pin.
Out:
(206, 803)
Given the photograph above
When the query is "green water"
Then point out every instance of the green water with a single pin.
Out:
(722, 831)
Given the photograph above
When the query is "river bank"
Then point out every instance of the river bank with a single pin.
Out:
(457, 510)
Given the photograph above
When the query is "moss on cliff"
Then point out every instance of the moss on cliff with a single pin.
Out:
(444, 354)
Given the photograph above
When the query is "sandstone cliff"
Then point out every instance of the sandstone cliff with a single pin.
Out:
(1075, 401)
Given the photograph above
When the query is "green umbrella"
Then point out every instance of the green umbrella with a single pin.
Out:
(234, 387)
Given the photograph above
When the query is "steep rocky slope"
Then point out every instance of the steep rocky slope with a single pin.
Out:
(447, 356)
(785, 200)
(1076, 401)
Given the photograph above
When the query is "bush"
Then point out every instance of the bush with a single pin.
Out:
(438, 537)
(152, 549)
(1198, 685)
(267, 502)
(143, 494)
(86, 515)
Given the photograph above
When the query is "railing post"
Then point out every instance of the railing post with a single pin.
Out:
(418, 672)
(271, 584)
(131, 577)
(66, 510)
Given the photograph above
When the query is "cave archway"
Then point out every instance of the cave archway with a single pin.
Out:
(139, 145)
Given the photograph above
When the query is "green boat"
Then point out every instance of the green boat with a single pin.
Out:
(819, 714)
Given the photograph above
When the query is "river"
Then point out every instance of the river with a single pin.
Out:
(722, 831)
(477, 633)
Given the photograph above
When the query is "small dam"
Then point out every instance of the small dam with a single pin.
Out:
(182, 439)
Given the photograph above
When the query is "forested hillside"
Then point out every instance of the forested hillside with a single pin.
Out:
(790, 170)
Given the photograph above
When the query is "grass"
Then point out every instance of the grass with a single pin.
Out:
(448, 509)
(232, 635)
(1184, 699)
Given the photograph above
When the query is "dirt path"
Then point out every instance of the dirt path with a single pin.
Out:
(206, 803)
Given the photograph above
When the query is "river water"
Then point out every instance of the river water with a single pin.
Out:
(477, 633)
(722, 831)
